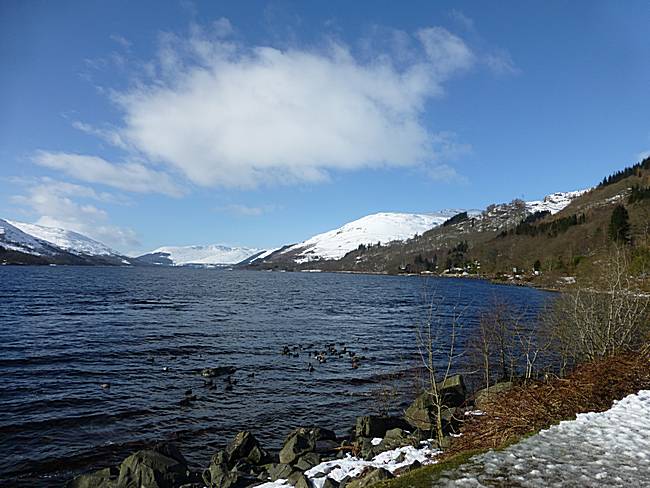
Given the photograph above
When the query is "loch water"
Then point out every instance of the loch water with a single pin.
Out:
(148, 332)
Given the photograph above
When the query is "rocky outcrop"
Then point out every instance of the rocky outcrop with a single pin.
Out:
(104, 478)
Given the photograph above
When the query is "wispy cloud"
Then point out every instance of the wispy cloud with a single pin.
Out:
(500, 62)
(462, 19)
(128, 176)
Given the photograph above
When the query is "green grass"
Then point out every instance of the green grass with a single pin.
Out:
(422, 477)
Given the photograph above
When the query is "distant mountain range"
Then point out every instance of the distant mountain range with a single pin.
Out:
(37, 244)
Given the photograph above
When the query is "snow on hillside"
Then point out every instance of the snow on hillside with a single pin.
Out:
(14, 239)
(554, 202)
(70, 241)
(208, 255)
(380, 227)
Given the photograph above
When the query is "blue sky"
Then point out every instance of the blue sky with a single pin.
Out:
(262, 123)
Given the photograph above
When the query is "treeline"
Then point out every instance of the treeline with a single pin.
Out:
(624, 173)
(530, 226)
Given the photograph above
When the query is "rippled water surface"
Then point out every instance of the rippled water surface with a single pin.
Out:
(66, 330)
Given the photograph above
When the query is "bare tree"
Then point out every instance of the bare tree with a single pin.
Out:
(437, 341)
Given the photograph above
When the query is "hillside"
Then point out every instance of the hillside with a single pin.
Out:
(383, 227)
(558, 238)
(22, 243)
(208, 255)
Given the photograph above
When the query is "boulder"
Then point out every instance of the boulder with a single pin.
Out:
(394, 439)
(104, 478)
(376, 426)
(330, 483)
(484, 396)
(218, 477)
(304, 440)
(372, 477)
(421, 414)
(245, 446)
(308, 461)
(299, 480)
(153, 469)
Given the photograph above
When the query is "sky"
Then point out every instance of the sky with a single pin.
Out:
(262, 123)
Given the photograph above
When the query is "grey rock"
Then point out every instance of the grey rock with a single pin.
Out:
(152, 469)
(376, 426)
(308, 461)
(481, 397)
(304, 440)
(372, 477)
(279, 471)
(421, 414)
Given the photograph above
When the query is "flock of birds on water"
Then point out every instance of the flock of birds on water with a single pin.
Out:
(321, 356)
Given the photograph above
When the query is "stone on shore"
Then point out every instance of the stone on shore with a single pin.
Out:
(304, 440)
(374, 476)
(153, 469)
(484, 396)
(376, 426)
(422, 412)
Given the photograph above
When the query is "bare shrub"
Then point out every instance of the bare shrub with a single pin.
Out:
(600, 318)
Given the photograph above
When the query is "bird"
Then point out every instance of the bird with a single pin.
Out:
(105, 386)
(310, 368)
(188, 392)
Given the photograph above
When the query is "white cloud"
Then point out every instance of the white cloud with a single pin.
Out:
(131, 176)
(228, 115)
(65, 205)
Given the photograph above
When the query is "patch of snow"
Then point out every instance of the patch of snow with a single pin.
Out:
(210, 254)
(352, 467)
(67, 240)
(382, 227)
(610, 448)
(554, 202)
(376, 441)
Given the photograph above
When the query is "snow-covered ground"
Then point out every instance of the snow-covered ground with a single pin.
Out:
(610, 449)
(381, 227)
(211, 254)
(352, 466)
(67, 240)
(554, 202)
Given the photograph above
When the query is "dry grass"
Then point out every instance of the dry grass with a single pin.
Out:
(528, 408)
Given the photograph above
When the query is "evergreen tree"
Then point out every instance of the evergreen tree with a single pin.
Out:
(619, 225)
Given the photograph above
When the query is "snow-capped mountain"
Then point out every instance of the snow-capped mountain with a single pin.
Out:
(37, 244)
(215, 255)
(381, 227)
(14, 239)
(554, 202)
(68, 240)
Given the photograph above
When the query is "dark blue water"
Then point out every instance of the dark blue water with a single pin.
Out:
(66, 330)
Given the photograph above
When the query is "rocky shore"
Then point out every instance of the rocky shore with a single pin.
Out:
(375, 449)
